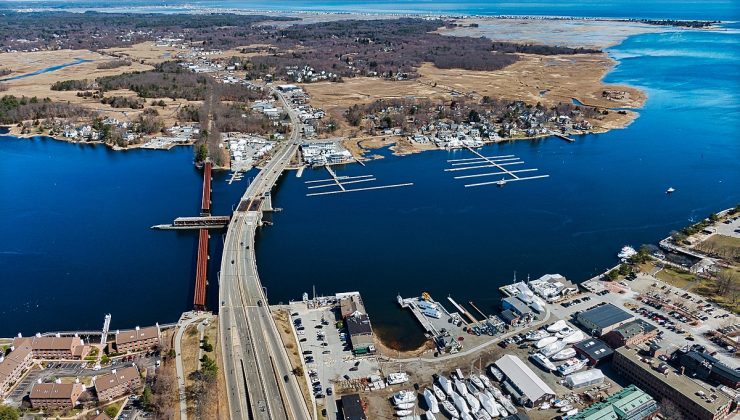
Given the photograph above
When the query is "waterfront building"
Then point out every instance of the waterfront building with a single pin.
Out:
(138, 339)
(352, 408)
(349, 303)
(117, 383)
(603, 318)
(515, 305)
(55, 347)
(360, 333)
(522, 383)
(632, 333)
(630, 403)
(594, 350)
(55, 396)
(695, 399)
(706, 367)
(13, 366)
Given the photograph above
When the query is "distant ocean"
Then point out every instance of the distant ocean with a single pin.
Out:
(652, 9)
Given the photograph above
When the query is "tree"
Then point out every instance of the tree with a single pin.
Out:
(201, 152)
(8, 413)
(111, 410)
(670, 410)
(473, 116)
(146, 396)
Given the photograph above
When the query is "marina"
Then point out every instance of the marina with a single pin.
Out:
(342, 181)
(491, 162)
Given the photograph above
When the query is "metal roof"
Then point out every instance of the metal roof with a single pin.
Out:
(594, 348)
(522, 376)
(605, 315)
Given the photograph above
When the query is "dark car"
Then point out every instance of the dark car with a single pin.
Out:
(285, 378)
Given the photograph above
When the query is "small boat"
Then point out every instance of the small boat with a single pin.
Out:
(543, 362)
(501, 182)
(571, 365)
(574, 338)
(670, 190)
(445, 384)
(545, 406)
(460, 387)
(559, 403)
(487, 402)
(557, 326)
(460, 403)
(473, 402)
(566, 408)
(497, 393)
(450, 409)
(471, 388)
(405, 406)
(401, 413)
(441, 396)
(544, 342)
(482, 415)
(508, 405)
(536, 335)
(566, 353)
(626, 252)
(486, 382)
(431, 401)
(401, 397)
(500, 408)
(565, 332)
(475, 379)
(467, 416)
(496, 373)
(553, 348)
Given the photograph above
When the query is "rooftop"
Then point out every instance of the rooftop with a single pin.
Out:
(635, 327)
(352, 407)
(48, 343)
(620, 405)
(115, 378)
(130, 336)
(522, 376)
(594, 348)
(605, 315)
(13, 360)
(54, 390)
(358, 324)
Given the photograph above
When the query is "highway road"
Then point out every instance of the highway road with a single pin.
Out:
(259, 379)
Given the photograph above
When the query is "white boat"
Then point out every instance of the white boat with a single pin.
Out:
(431, 401)
(500, 408)
(557, 326)
(475, 379)
(543, 362)
(574, 338)
(670, 190)
(460, 403)
(538, 304)
(508, 405)
(626, 252)
(553, 348)
(441, 396)
(563, 354)
(565, 332)
(402, 397)
(544, 342)
(566, 408)
(472, 389)
(559, 403)
(482, 415)
(430, 416)
(473, 402)
(460, 387)
(487, 403)
(497, 393)
(397, 378)
(445, 384)
(450, 409)
(496, 373)
(486, 382)
(571, 365)
(545, 406)
(405, 406)
(536, 335)
(402, 413)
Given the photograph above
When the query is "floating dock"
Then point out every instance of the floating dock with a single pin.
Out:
(341, 182)
(499, 163)
(564, 137)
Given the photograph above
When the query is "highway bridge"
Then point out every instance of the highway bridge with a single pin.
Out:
(259, 379)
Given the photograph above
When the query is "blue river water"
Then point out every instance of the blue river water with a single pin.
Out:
(75, 218)
(46, 70)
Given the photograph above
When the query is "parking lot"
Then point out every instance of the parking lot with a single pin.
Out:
(327, 353)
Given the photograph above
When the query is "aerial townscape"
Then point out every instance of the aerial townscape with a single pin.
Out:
(544, 220)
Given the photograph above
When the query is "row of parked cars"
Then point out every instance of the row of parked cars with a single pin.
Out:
(576, 301)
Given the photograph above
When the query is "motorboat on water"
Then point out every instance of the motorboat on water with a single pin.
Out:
(626, 252)
(565, 332)
(473, 402)
(536, 335)
(475, 379)
(571, 365)
(557, 326)
(402, 397)
(441, 396)
(563, 354)
(431, 401)
(445, 384)
(670, 190)
(553, 348)
(450, 409)
(543, 362)
(496, 373)
(544, 342)
(574, 338)
(461, 387)
(460, 403)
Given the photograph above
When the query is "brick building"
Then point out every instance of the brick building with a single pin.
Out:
(630, 334)
(13, 366)
(55, 396)
(56, 347)
(138, 339)
(117, 383)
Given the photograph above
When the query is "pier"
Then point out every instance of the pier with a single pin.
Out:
(462, 310)
(201, 271)
(564, 137)
(205, 207)
(499, 163)
(195, 223)
(341, 182)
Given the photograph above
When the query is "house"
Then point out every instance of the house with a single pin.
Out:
(55, 347)
(13, 366)
(138, 339)
(117, 383)
(56, 395)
